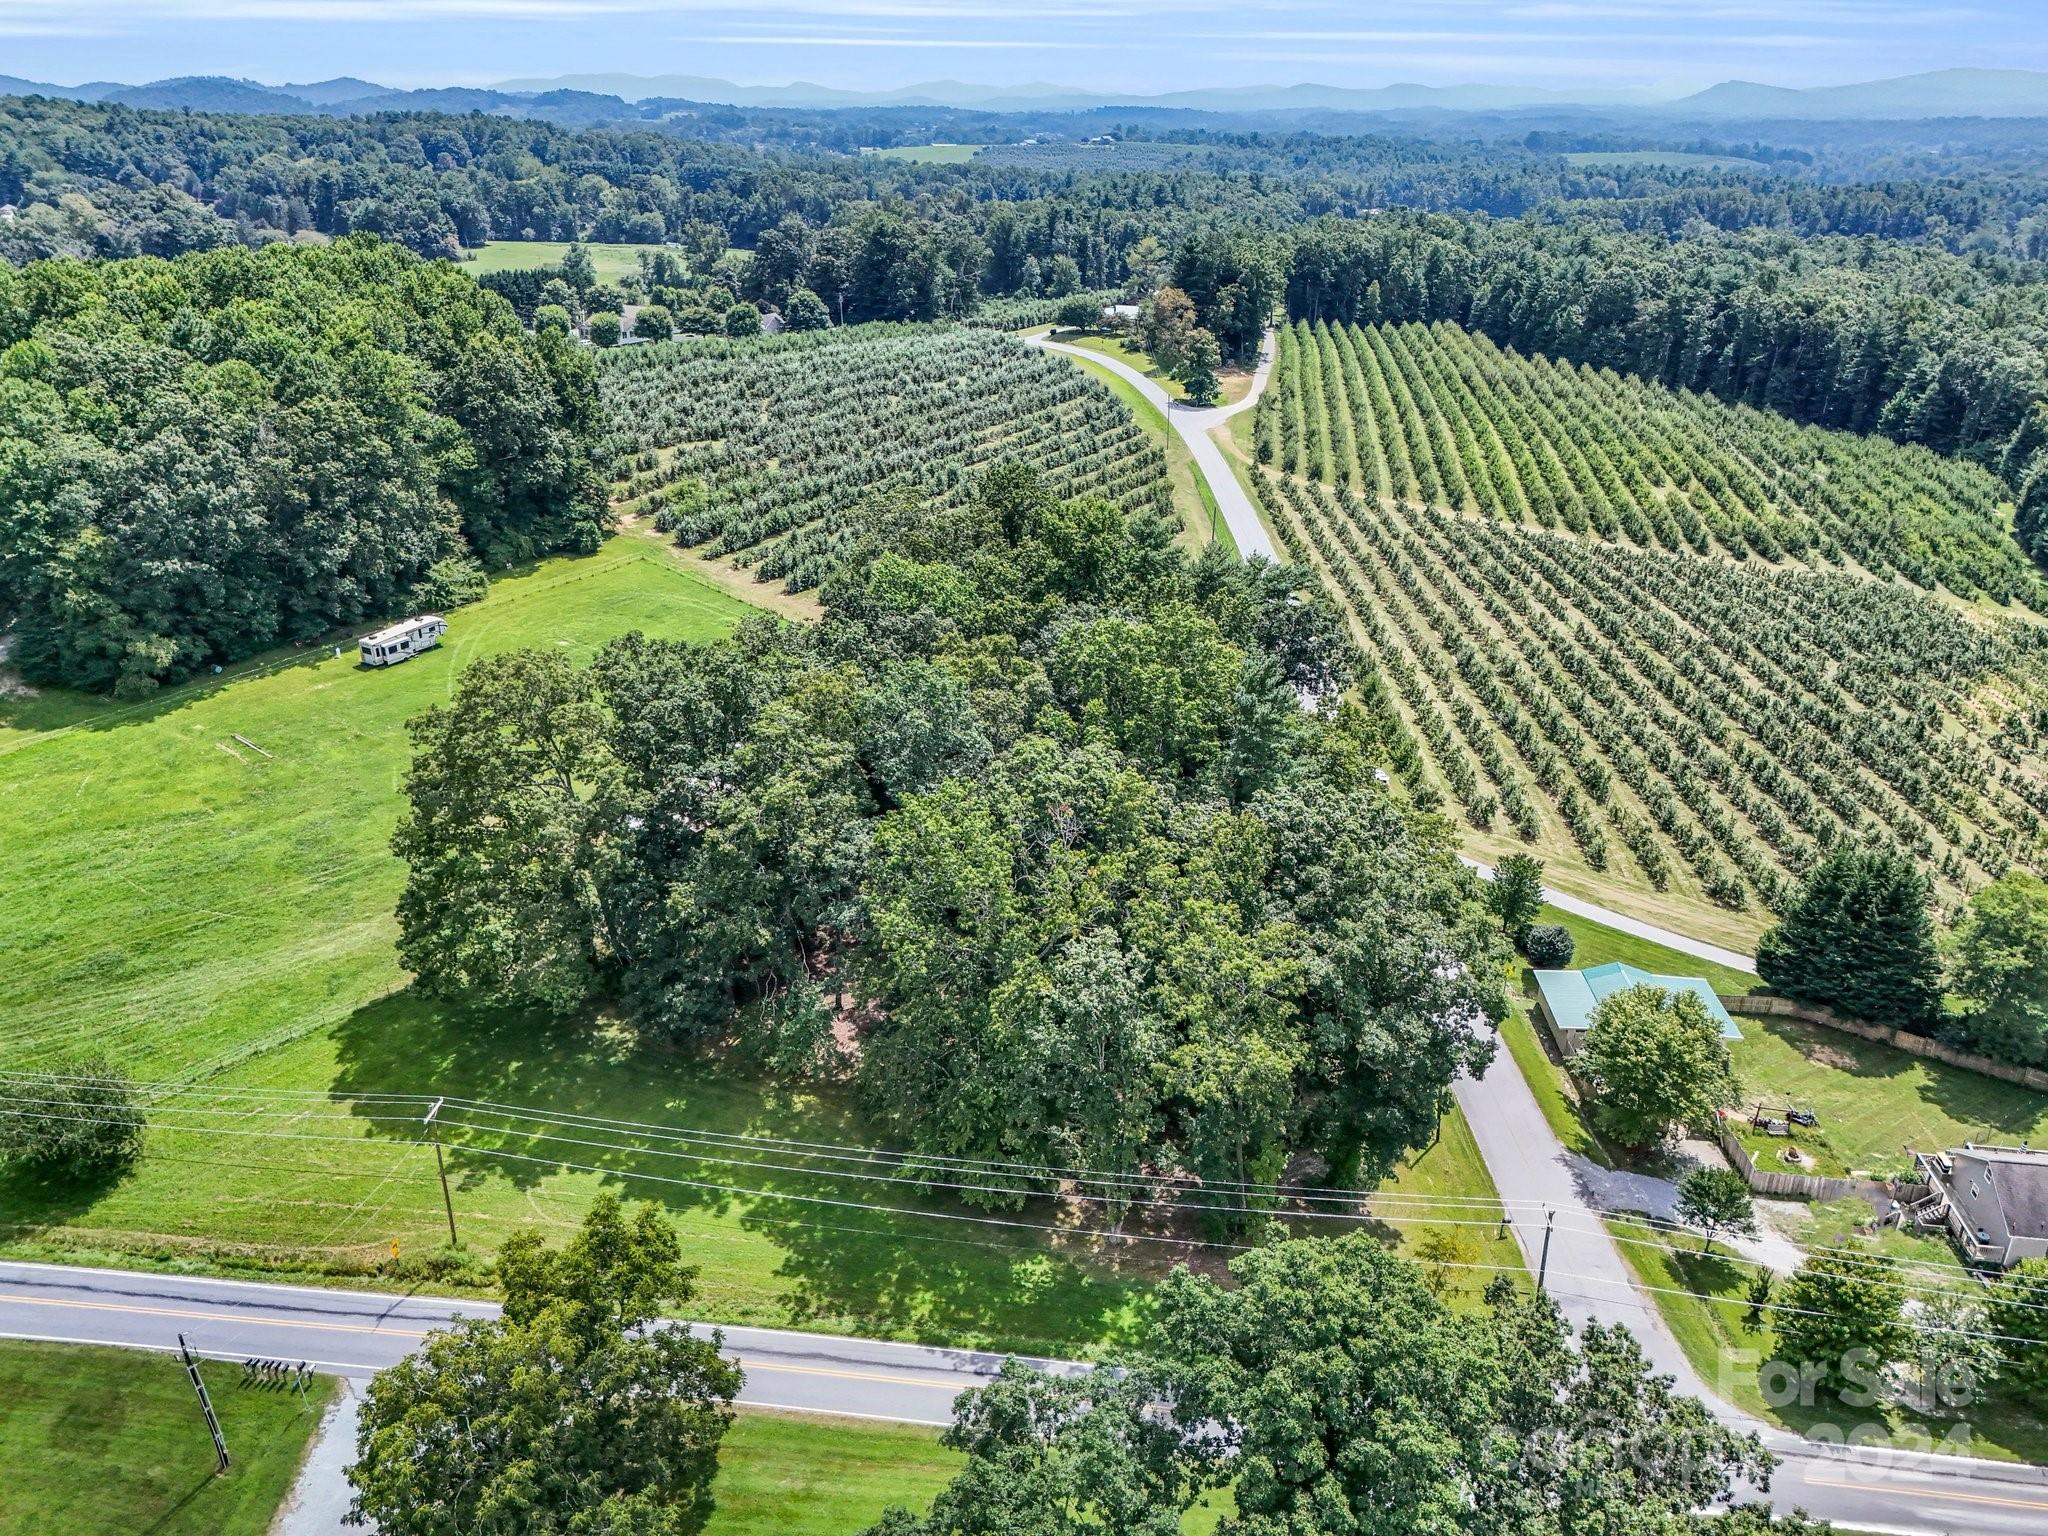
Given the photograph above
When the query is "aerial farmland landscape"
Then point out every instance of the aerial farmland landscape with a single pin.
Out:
(763, 779)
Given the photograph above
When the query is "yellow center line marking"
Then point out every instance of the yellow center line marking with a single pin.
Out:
(1885, 1485)
(214, 1317)
(409, 1333)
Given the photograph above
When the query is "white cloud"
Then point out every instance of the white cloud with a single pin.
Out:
(871, 40)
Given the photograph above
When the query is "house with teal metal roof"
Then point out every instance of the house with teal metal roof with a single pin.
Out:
(1566, 999)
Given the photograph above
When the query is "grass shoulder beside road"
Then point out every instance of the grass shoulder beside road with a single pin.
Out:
(1233, 384)
(110, 1442)
(800, 1475)
(1201, 520)
(1461, 1214)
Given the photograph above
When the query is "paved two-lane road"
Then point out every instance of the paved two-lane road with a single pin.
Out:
(358, 1333)
(355, 1334)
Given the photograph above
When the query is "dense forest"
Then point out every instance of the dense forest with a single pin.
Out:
(206, 457)
(1832, 303)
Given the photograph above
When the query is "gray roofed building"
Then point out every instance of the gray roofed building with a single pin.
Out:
(1997, 1202)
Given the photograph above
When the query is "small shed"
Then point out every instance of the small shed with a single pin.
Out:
(1566, 999)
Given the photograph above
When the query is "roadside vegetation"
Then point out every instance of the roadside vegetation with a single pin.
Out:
(1706, 1300)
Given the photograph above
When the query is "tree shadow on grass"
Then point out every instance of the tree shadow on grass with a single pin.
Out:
(31, 1204)
(55, 709)
(848, 1250)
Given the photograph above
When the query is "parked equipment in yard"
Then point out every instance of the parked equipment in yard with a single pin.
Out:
(403, 641)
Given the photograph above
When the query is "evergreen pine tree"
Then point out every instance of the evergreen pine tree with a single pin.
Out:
(1859, 938)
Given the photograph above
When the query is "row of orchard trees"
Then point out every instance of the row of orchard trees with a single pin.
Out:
(1442, 416)
(1905, 341)
(1664, 711)
(767, 449)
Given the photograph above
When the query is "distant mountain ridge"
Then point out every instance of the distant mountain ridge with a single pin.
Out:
(1936, 93)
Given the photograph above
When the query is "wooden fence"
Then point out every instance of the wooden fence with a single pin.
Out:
(1810, 1186)
(1766, 1004)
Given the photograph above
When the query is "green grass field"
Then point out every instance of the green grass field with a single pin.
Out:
(1596, 944)
(610, 262)
(180, 899)
(928, 154)
(1874, 1100)
(1130, 356)
(784, 1475)
(109, 1442)
(205, 913)
(1593, 944)
(1451, 1172)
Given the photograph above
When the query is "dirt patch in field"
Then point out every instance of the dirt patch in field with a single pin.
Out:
(1830, 1056)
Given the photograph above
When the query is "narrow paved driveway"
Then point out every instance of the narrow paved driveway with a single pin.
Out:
(1194, 426)
(1700, 949)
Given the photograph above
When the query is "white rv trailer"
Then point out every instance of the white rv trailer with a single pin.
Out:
(403, 641)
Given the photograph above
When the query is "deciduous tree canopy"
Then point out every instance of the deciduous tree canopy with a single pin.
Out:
(1032, 828)
(203, 458)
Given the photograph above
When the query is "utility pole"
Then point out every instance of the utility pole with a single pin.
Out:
(220, 1441)
(441, 1167)
(1543, 1264)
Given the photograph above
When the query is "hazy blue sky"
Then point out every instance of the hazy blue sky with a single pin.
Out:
(1138, 45)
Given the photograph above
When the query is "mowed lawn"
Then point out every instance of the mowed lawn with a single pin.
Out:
(110, 1442)
(1451, 1195)
(1874, 1100)
(610, 262)
(1201, 519)
(210, 915)
(1701, 1297)
(176, 898)
(790, 1475)
(1524, 1037)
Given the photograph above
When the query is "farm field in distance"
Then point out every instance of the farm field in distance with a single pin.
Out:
(1676, 159)
(764, 449)
(928, 154)
(609, 262)
(1653, 714)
